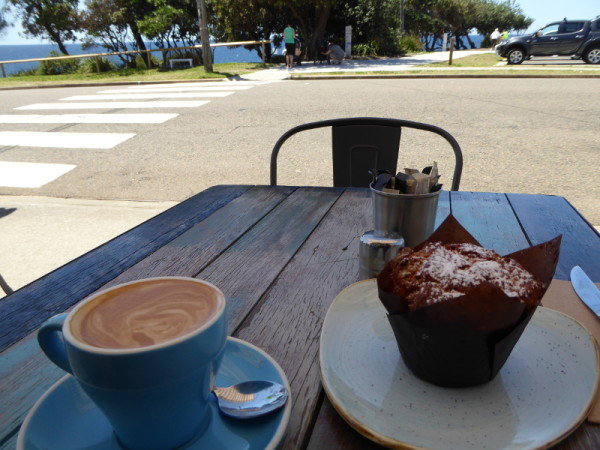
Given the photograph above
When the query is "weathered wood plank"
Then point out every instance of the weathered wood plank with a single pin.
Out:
(193, 250)
(29, 307)
(443, 208)
(490, 219)
(585, 437)
(247, 269)
(333, 433)
(545, 217)
(287, 322)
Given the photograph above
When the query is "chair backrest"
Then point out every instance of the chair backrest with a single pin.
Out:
(363, 143)
(5, 287)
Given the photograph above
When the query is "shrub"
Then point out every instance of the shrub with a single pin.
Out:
(91, 65)
(368, 49)
(141, 61)
(410, 44)
(57, 67)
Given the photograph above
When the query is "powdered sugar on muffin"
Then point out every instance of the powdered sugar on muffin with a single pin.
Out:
(439, 272)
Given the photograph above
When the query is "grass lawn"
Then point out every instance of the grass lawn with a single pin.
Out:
(132, 75)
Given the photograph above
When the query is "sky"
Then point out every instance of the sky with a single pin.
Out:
(542, 11)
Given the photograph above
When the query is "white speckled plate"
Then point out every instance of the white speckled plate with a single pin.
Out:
(543, 392)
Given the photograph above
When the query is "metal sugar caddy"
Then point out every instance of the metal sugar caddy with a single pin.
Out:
(404, 210)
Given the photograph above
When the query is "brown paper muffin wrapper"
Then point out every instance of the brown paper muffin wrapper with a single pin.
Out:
(466, 340)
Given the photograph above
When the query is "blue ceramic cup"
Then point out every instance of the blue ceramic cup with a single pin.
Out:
(155, 394)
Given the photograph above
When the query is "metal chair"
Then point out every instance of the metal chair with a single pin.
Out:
(363, 143)
(5, 287)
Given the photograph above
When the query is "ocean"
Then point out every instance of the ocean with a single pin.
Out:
(12, 52)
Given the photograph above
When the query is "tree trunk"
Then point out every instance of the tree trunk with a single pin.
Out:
(139, 41)
(204, 37)
(471, 43)
(314, 36)
(55, 37)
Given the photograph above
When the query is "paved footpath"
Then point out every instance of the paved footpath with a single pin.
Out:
(360, 65)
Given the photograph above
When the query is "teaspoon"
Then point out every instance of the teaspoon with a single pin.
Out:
(251, 398)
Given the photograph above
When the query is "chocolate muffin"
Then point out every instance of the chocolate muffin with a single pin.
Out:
(439, 272)
(457, 309)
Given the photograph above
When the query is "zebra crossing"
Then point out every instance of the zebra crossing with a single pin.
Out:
(155, 97)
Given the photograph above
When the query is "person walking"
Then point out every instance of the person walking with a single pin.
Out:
(289, 39)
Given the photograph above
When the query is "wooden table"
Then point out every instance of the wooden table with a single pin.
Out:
(280, 254)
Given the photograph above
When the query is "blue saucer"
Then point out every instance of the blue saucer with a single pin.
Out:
(64, 417)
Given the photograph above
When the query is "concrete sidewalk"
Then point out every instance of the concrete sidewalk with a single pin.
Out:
(42, 233)
(360, 65)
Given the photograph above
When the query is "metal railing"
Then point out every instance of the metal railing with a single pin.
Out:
(97, 56)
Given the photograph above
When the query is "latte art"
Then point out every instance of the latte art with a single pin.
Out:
(145, 314)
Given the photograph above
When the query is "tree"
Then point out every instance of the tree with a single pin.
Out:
(115, 23)
(506, 15)
(103, 21)
(374, 22)
(429, 19)
(257, 19)
(55, 20)
(173, 23)
(3, 22)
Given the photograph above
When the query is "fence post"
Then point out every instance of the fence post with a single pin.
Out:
(262, 44)
(97, 63)
(451, 50)
(3, 71)
(149, 59)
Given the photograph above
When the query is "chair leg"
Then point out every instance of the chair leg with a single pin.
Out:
(5, 287)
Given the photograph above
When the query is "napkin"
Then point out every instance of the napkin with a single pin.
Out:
(561, 297)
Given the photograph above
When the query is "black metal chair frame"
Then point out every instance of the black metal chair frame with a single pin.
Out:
(5, 287)
(373, 122)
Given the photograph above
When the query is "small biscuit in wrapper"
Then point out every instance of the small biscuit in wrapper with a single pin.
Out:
(465, 340)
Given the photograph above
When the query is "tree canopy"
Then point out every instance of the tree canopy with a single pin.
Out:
(3, 21)
(169, 23)
(55, 20)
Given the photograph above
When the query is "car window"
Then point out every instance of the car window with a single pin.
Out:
(572, 27)
(596, 25)
(550, 29)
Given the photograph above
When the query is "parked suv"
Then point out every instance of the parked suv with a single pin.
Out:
(577, 38)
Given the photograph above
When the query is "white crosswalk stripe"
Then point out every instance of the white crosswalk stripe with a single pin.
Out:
(222, 84)
(145, 95)
(62, 140)
(116, 105)
(227, 87)
(86, 118)
(30, 175)
(36, 175)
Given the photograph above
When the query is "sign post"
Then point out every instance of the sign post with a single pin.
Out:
(206, 53)
(348, 46)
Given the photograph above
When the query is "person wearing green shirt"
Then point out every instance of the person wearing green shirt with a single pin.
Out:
(289, 39)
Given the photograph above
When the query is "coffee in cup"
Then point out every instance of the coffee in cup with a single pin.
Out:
(146, 353)
(144, 314)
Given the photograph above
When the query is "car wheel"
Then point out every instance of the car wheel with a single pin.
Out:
(592, 55)
(515, 56)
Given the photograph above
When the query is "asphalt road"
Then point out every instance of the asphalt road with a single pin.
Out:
(517, 135)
